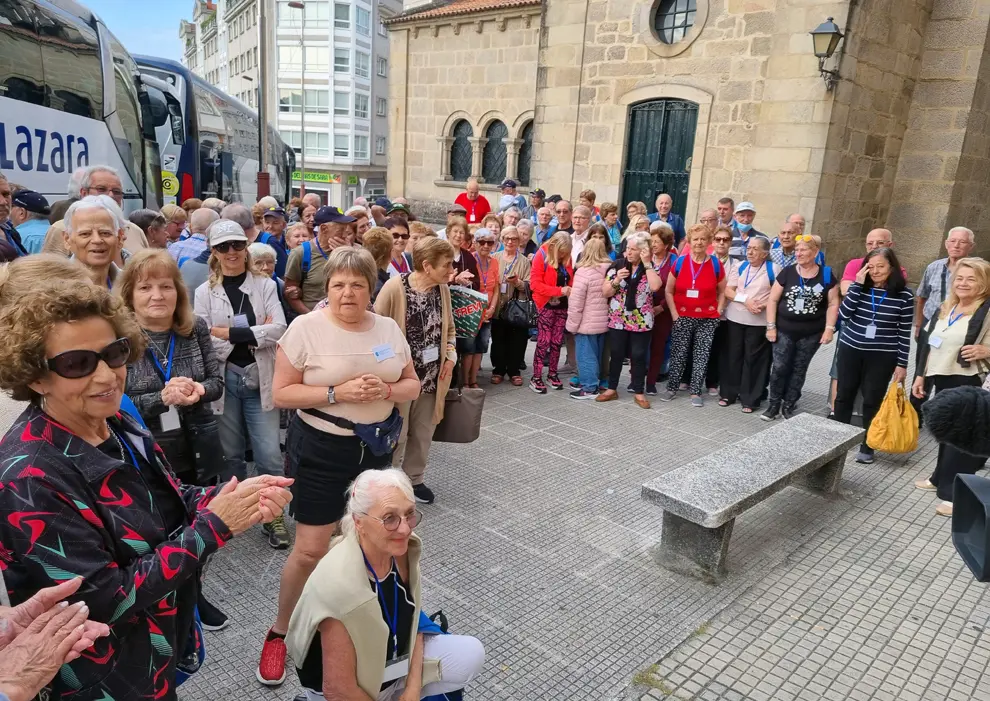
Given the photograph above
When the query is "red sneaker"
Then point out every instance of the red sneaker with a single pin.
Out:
(271, 668)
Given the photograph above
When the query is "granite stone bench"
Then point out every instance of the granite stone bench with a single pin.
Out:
(701, 500)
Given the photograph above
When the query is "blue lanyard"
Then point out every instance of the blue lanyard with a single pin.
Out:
(391, 619)
(749, 273)
(320, 249)
(109, 283)
(954, 319)
(505, 273)
(800, 282)
(875, 304)
(694, 275)
(124, 442)
(165, 372)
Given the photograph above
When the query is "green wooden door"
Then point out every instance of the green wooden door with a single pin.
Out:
(659, 146)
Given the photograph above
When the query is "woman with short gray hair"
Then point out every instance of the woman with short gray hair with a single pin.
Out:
(94, 235)
(343, 369)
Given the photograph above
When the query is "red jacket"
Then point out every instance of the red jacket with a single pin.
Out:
(543, 278)
(476, 209)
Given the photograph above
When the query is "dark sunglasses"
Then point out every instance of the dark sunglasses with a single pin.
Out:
(722, 239)
(227, 245)
(80, 363)
(485, 243)
(404, 237)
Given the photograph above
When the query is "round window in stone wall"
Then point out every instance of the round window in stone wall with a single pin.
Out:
(673, 19)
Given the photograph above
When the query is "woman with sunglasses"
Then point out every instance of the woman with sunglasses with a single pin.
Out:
(245, 320)
(401, 262)
(103, 503)
(488, 277)
(361, 608)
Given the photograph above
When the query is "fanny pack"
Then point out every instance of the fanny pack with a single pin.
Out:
(252, 379)
(380, 437)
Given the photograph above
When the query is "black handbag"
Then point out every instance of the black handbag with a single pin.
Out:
(461, 421)
(202, 432)
(519, 312)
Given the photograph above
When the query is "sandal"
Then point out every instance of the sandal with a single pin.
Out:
(516, 381)
(497, 379)
(747, 410)
(723, 402)
(473, 385)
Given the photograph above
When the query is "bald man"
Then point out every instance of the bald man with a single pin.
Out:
(878, 238)
(664, 204)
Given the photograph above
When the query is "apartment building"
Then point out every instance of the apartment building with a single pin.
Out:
(327, 82)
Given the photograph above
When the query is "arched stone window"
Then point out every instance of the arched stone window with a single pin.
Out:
(460, 151)
(525, 154)
(495, 156)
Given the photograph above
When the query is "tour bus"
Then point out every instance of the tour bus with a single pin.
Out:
(71, 96)
(209, 144)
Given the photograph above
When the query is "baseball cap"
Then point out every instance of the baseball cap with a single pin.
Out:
(225, 230)
(32, 201)
(538, 193)
(384, 203)
(554, 199)
(508, 183)
(745, 207)
(275, 212)
(331, 215)
(397, 207)
(483, 233)
(456, 209)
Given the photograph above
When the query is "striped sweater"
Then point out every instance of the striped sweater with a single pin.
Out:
(891, 313)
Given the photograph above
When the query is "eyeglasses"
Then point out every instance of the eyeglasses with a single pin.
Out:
(708, 219)
(510, 238)
(104, 190)
(404, 237)
(227, 245)
(391, 521)
(722, 239)
(485, 243)
(81, 363)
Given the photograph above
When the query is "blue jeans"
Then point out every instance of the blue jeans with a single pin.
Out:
(242, 414)
(589, 349)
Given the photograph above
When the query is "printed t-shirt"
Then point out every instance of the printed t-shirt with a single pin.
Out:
(797, 318)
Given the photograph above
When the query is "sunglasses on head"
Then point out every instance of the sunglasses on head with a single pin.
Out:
(80, 363)
(404, 237)
(227, 245)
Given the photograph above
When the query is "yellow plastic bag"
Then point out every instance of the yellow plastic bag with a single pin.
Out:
(895, 427)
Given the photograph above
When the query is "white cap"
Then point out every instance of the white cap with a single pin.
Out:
(226, 230)
(745, 207)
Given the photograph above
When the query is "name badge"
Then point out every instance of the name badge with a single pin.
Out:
(741, 297)
(396, 669)
(170, 419)
(240, 321)
(503, 288)
(431, 354)
(871, 331)
(799, 304)
(935, 341)
(817, 289)
(693, 294)
(383, 352)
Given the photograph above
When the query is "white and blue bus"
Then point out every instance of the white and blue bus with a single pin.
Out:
(71, 96)
(209, 144)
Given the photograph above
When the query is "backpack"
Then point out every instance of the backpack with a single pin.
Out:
(769, 265)
(307, 258)
(680, 263)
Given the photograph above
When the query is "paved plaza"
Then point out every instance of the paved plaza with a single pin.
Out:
(540, 545)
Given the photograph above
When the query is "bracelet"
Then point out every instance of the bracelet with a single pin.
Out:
(771, 326)
(830, 328)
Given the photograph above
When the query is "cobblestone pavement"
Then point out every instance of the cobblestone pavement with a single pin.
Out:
(539, 544)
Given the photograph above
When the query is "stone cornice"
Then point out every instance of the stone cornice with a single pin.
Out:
(474, 22)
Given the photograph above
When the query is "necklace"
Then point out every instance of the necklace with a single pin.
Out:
(116, 439)
(162, 354)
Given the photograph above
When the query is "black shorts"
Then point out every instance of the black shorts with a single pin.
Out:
(323, 466)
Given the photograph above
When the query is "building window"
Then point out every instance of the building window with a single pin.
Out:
(381, 107)
(362, 64)
(292, 138)
(361, 104)
(494, 157)
(672, 19)
(289, 16)
(360, 146)
(341, 16)
(341, 104)
(382, 29)
(317, 14)
(525, 154)
(290, 58)
(290, 100)
(460, 151)
(362, 18)
(382, 66)
(317, 144)
(317, 102)
(318, 58)
(342, 60)
(341, 147)
(256, 55)
(380, 145)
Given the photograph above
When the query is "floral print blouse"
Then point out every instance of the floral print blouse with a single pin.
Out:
(640, 318)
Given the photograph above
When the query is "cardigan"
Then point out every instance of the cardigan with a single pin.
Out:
(339, 588)
(391, 302)
(977, 333)
(587, 307)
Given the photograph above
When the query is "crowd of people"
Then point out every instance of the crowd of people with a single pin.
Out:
(161, 355)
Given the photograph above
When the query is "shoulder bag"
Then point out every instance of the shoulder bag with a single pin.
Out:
(461, 421)
(519, 312)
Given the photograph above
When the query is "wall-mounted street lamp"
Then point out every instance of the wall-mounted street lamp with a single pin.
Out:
(826, 39)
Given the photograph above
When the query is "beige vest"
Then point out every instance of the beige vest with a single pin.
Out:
(338, 588)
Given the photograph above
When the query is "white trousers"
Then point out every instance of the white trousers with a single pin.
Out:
(461, 659)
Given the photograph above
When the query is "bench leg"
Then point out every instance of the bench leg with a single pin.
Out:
(826, 479)
(694, 550)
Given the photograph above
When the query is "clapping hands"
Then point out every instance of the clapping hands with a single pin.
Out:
(261, 499)
(182, 391)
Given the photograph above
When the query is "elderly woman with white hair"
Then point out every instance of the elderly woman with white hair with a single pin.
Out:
(629, 286)
(263, 261)
(527, 245)
(94, 235)
(355, 633)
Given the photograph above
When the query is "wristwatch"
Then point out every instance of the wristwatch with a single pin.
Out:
(330, 398)
(830, 328)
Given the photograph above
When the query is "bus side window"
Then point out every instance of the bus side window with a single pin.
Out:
(73, 73)
(21, 76)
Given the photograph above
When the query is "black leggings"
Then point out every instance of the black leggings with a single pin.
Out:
(791, 357)
(952, 461)
(637, 345)
(867, 371)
